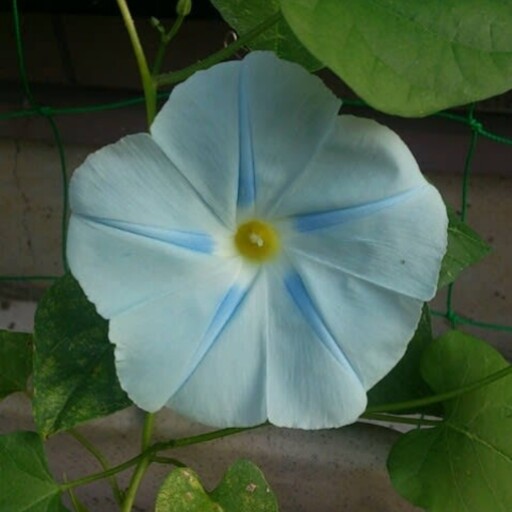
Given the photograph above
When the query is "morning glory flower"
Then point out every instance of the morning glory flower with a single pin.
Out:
(259, 257)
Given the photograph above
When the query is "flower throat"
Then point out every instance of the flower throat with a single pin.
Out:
(257, 241)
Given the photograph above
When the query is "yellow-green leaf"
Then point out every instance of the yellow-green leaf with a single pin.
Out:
(242, 489)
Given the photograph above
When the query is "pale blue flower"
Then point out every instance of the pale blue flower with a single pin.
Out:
(258, 256)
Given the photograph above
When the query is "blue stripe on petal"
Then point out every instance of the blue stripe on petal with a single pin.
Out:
(226, 310)
(193, 241)
(314, 221)
(246, 172)
(306, 306)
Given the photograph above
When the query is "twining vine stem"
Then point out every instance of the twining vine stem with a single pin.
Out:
(165, 39)
(178, 76)
(152, 450)
(390, 418)
(441, 397)
(150, 83)
(370, 413)
(91, 448)
(147, 80)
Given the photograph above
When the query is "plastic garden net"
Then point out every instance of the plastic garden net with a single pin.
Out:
(475, 129)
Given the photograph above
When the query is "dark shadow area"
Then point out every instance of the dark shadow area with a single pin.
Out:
(201, 9)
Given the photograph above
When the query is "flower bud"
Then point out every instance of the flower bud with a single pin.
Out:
(183, 7)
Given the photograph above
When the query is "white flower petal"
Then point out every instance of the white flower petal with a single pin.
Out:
(132, 217)
(311, 383)
(371, 325)
(198, 329)
(198, 129)
(272, 360)
(133, 181)
(229, 387)
(398, 245)
(361, 161)
(227, 129)
(290, 114)
(160, 343)
(119, 269)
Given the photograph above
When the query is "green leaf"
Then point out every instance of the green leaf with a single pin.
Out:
(74, 373)
(243, 489)
(15, 362)
(26, 484)
(405, 382)
(244, 15)
(410, 58)
(465, 464)
(465, 248)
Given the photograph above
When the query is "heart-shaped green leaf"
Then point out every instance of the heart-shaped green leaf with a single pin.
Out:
(465, 248)
(410, 58)
(15, 362)
(244, 15)
(465, 463)
(74, 373)
(26, 484)
(243, 489)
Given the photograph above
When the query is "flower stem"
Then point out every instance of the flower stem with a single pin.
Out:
(93, 450)
(131, 492)
(148, 83)
(442, 397)
(142, 464)
(178, 76)
(147, 431)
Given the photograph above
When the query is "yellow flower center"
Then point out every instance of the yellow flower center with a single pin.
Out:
(257, 240)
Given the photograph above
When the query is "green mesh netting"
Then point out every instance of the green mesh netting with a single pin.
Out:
(475, 130)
